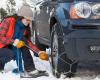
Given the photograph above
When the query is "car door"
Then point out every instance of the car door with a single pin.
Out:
(41, 19)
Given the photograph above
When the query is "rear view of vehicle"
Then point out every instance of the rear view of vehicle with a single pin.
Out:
(75, 35)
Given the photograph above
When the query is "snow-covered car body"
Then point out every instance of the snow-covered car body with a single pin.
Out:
(41, 22)
(73, 29)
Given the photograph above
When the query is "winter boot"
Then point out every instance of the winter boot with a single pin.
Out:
(1, 66)
(34, 74)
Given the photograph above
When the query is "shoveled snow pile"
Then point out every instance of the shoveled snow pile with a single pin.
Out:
(82, 74)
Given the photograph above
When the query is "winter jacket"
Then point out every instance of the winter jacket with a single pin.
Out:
(6, 31)
(18, 30)
(7, 34)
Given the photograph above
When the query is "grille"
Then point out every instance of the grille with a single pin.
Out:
(85, 27)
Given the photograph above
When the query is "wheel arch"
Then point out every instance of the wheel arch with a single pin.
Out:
(53, 20)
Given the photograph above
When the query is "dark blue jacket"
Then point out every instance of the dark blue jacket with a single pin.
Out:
(19, 30)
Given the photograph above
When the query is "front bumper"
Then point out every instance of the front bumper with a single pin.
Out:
(78, 42)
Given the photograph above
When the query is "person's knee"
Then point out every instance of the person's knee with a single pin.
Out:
(6, 55)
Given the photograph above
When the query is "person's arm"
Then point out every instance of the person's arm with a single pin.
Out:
(33, 46)
(4, 27)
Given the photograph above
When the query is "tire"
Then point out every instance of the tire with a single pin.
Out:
(59, 61)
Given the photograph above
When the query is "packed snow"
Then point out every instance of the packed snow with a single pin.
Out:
(82, 74)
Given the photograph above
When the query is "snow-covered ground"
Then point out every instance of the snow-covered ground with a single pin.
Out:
(85, 73)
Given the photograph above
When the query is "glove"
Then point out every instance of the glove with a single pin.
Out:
(18, 43)
(43, 55)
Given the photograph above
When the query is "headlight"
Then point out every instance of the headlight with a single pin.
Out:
(96, 9)
(83, 9)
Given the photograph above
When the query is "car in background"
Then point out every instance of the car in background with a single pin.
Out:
(71, 28)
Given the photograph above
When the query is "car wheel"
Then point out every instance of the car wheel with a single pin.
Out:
(59, 61)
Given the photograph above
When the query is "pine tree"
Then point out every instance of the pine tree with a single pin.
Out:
(11, 7)
(3, 13)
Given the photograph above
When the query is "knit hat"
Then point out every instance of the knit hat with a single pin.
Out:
(25, 11)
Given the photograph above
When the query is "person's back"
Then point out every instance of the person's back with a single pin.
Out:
(6, 31)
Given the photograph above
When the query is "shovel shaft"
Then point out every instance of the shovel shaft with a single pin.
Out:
(30, 48)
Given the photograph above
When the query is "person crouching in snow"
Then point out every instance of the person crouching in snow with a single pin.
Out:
(12, 39)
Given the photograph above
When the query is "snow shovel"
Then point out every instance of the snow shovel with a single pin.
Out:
(30, 48)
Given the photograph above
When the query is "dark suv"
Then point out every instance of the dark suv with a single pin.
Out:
(72, 29)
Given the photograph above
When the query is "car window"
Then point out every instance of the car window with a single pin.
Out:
(67, 0)
(88, 0)
(79, 0)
